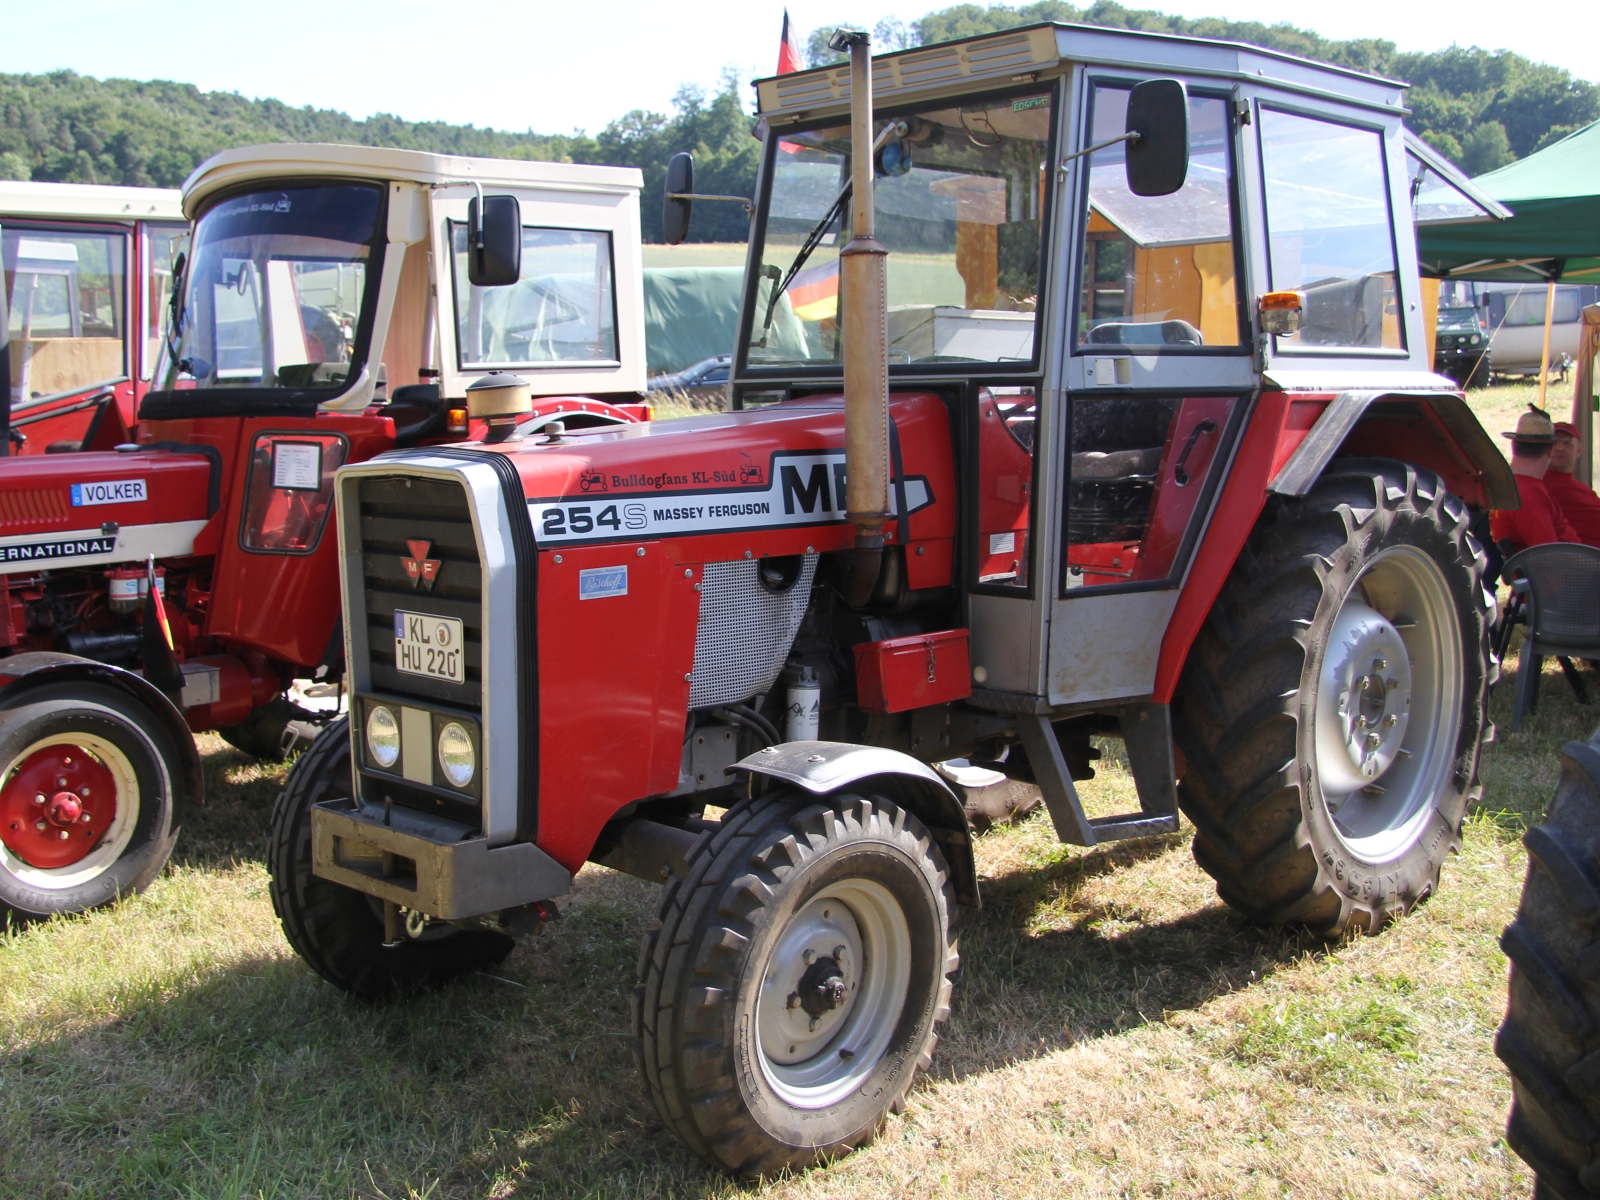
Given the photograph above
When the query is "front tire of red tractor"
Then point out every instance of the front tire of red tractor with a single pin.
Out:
(1333, 706)
(337, 930)
(1550, 1040)
(89, 785)
(793, 989)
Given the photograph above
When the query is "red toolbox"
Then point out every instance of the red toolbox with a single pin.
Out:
(913, 672)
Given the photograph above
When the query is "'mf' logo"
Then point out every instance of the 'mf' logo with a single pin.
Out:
(419, 567)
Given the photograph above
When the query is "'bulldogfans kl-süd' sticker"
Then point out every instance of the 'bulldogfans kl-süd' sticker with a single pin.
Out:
(803, 489)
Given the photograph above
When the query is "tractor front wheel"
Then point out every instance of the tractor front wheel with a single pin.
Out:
(340, 931)
(1333, 706)
(89, 783)
(793, 988)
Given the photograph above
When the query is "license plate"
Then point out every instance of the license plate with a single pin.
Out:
(429, 646)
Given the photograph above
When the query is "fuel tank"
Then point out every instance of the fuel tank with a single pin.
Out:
(78, 510)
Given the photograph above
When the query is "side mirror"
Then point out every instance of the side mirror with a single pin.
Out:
(675, 210)
(1158, 159)
(494, 241)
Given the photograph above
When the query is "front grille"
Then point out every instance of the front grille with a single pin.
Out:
(397, 510)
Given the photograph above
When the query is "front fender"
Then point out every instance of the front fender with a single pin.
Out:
(823, 768)
(21, 673)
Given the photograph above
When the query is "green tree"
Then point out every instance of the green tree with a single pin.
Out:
(14, 166)
(1485, 148)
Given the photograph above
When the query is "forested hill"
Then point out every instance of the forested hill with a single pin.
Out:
(1482, 109)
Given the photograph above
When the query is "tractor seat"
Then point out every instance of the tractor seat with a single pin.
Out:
(1118, 466)
(418, 411)
(1146, 333)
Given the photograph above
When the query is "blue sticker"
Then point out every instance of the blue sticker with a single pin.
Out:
(597, 583)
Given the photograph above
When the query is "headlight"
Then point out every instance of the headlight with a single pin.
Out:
(456, 758)
(1476, 339)
(383, 736)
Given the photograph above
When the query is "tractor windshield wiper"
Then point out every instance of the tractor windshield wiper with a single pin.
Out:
(813, 240)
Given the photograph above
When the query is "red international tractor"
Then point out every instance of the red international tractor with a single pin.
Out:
(313, 279)
(1081, 391)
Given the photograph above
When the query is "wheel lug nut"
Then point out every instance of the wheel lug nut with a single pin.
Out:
(807, 956)
(84, 792)
(65, 835)
(61, 781)
(1391, 720)
(39, 825)
(1379, 664)
(39, 799)
(84, 818)
(838, 952)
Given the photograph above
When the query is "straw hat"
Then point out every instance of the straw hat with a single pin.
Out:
(1533, 426)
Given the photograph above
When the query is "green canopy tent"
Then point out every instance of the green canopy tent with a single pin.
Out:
(1552, 235)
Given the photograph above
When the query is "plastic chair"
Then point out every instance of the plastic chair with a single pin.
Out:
(1559, 585)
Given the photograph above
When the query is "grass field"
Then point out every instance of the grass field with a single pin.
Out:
(1116, 1032)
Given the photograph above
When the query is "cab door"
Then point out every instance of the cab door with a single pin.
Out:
(1157, 376)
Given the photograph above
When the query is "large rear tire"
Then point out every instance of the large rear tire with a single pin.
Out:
(1550, 1040)
(89, 785)
(795, 985)
(337, 930)
(1332, 708)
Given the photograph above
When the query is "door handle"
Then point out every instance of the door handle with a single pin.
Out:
(1179, 475)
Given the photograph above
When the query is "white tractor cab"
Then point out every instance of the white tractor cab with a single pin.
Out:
(303, 300)
(88, 270)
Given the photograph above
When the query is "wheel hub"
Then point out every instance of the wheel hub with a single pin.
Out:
(56, 805)
(817, 966)
(1365, 703)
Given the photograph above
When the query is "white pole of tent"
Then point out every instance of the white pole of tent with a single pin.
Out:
(1544, 357)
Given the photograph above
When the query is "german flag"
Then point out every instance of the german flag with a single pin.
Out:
(814, 292)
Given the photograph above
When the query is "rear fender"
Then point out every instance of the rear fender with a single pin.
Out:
(1435, 430)
(823, 768)
(23, 673)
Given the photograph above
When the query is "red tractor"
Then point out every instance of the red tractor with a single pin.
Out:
(1081, 391)
(314, 277)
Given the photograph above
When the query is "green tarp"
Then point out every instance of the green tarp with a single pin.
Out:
(692, 313)
(1554, 230)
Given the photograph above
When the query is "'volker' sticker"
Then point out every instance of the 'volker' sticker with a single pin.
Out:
(109, 491)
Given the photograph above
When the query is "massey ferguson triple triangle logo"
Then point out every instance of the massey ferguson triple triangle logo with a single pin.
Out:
(419, 566)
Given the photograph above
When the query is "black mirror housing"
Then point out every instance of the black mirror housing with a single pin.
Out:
(675, 212)
(494, 241)
(1158, 159)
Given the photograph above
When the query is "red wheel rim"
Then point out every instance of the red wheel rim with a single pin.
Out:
(56, 806)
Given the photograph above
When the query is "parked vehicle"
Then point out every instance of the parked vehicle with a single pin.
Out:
(707, 380)
(88, 271)
(1514, 315)
(314, 276)
(1461, 346)
(1046, 450)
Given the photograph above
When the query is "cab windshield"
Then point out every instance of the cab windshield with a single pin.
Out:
(958, 195)
(273, 294)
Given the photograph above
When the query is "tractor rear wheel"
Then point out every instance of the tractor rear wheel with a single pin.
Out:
(792, 991)
(337, 930)
(89, 784)
(1550, 1040)
(1333, 706)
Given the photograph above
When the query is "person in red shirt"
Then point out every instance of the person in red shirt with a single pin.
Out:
(1538, 520)
(1576, 502)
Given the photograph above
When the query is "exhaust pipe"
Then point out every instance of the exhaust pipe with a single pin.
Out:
(863, 284)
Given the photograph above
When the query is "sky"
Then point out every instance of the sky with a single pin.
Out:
(559, 67)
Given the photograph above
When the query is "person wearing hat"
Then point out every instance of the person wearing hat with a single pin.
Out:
(1538, 520)
(1575, 501)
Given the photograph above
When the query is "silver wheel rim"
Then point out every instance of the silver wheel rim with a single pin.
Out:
(115, 839)
(1388, 704)
(815, 1059)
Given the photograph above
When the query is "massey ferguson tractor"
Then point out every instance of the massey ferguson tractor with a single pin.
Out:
(1081, 391)
(333, 302)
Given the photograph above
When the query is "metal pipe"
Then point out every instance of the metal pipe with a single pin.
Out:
(863, 302)
(1544, 355)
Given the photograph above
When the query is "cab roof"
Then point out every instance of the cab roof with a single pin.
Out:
(300, 160)
(1032, 52)
(89, 200)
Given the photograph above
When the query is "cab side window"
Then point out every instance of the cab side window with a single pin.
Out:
(65, 296)
(1329, 231)
(1158, 271)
